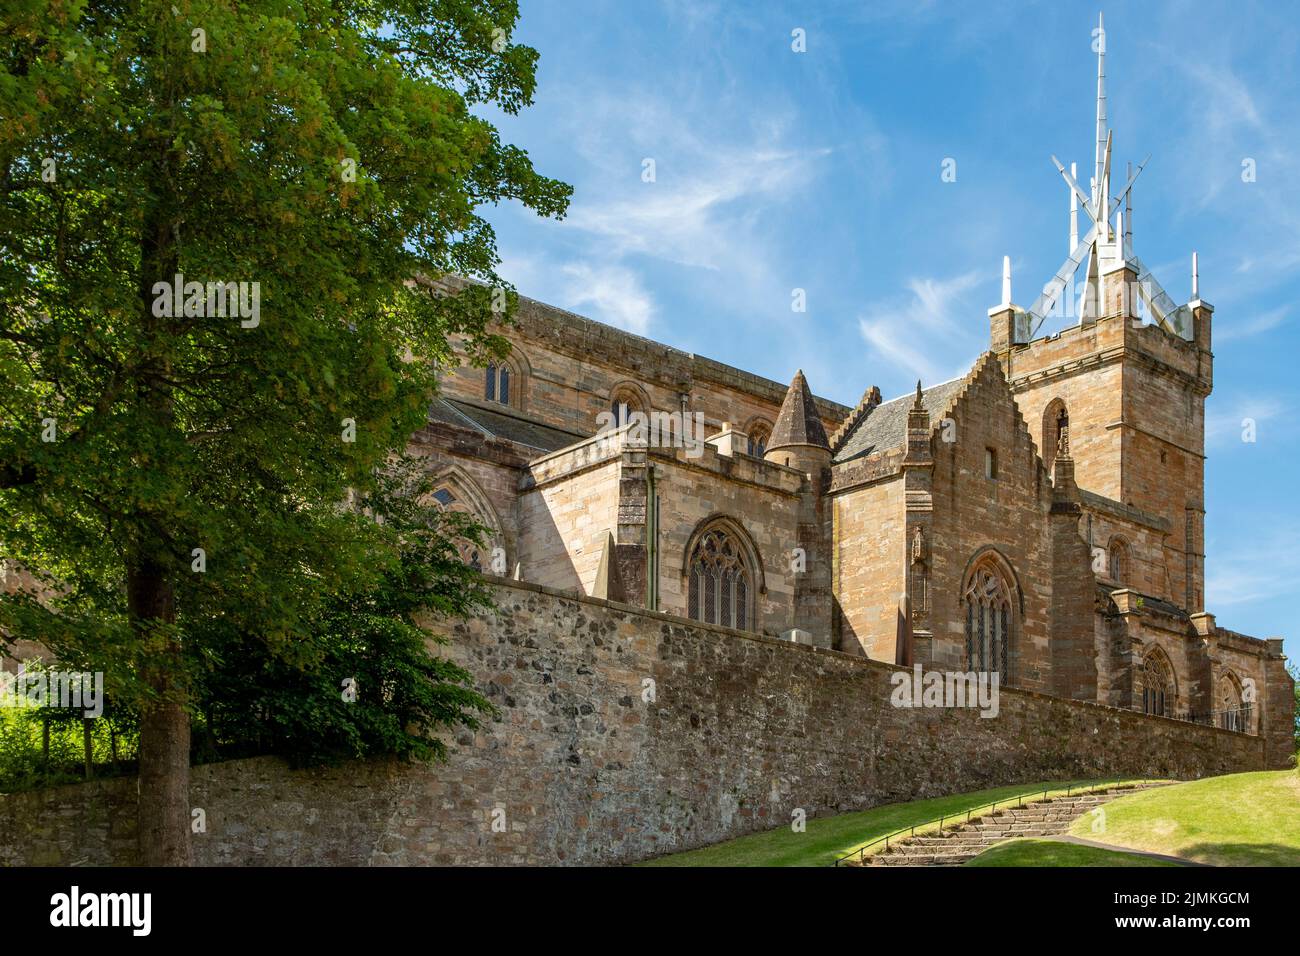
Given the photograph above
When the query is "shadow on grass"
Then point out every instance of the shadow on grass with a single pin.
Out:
(1242, 854)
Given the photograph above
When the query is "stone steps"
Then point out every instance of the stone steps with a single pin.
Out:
(956, 844)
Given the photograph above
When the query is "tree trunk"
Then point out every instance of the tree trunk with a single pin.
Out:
(163, 819)
(88, 744)
(164, 810)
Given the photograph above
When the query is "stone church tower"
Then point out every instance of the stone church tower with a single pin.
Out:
(1123, 388)
(1128, 381)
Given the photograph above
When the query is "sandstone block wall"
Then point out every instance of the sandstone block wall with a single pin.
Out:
(571, 367)
(566, 514)
(584, 766)
(869, 543)
(1136, 401)
(760, 498)
(1081, 367)
(1008, 513)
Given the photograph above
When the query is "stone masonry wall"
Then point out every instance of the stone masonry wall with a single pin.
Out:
(869, 540)
(572, 365)
(1007, 514)
(588, 767)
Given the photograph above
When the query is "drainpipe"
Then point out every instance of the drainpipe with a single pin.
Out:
(652, 541)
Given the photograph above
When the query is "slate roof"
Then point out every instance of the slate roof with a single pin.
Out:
(886, 427)
(501, 424)
(798, 422)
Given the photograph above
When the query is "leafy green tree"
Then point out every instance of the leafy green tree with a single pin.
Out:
(1294, 671)
(171, 464)
(369, 687)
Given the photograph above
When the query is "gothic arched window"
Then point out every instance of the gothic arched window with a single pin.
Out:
(1119, 560)
(1158, 693)
(625, 399)
(456, 493)
(720, 581)
(504, 379)
(622, 406)
(1056, 420)
(987, 604)
(759, 435)
(1234, 712)
(496, 387)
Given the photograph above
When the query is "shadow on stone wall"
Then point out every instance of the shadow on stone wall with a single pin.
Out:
(624, 735)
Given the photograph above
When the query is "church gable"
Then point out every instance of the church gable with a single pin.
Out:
(990, 509)
(884, 427)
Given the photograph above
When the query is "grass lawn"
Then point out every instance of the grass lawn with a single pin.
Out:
(829, 837)
(1052, 853)
(1243, 819)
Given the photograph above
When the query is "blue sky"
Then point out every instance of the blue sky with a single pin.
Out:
(777, 170)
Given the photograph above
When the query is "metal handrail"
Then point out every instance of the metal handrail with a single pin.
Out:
(1019, 801)
(1241, 716)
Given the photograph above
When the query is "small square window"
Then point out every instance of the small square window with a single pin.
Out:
(990, 463)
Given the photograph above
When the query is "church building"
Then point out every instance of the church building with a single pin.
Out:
(1041, 517)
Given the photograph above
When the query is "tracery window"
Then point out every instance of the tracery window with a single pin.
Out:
(622, 408)
(469, 551)
(987, 606)
(720, 584)
(1234, 712)
(455, 492)
(1158, 694)
(759, 436)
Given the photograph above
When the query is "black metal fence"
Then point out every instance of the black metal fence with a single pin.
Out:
(1237, 719)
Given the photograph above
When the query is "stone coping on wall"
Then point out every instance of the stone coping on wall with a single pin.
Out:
(604, 447)
(856, 660)
(1244, 642)
(767, 475)
(1149, 335)
(1170, 617)
(1118, 509)
(688, 364)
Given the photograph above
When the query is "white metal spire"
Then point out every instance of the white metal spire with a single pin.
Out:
(1006, 280)
(1128, 211)
(1103, 250)
(1074, 211)
(1100, 42)
(1196, 278)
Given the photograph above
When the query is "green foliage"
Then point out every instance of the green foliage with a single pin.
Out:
(329, 152)
(1294, 671)
(25, 764)
(254, 701)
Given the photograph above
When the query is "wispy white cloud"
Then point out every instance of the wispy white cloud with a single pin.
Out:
(1237, 575)
(610, 293)
(708, 223)
(1231, 331)
(698, 212)
(1229, 424)
(606, 292)
(1234, 123)
(923, 331)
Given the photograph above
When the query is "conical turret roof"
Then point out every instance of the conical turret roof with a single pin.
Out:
(798, 422)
